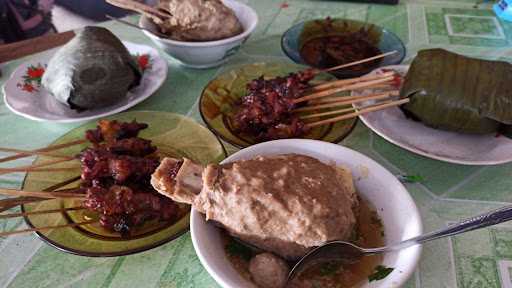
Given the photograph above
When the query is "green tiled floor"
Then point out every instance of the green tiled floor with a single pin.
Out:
(473, 27)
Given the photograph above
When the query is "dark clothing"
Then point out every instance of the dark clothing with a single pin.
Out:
(14, 16)
(92, 9)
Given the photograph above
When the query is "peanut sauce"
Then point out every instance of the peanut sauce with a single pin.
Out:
(368, 233)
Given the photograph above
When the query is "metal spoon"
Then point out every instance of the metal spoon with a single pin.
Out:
(161, 35)
(349, 253)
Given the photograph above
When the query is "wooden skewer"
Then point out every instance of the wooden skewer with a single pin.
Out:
(141, 8)
(357, 113)
(19, 151)
(61, 184)
(355, 86)
(354, 98)
(6, 204)
(32, 167)
(348, 101)
(46, 149)
(359, 62)
(339, 111)
(6, 171)
(328, 113)
(69, 190)
(20, 214)
(343, 82)
(49, 195)
(7, 233)
(161, 35)
(334, 98)
(326, 99)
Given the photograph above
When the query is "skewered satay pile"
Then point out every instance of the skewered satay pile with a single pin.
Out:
(274, 108)
(116, 173)
(115, 179)
(265, 111)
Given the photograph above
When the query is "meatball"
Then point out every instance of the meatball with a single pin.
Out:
(268, 270)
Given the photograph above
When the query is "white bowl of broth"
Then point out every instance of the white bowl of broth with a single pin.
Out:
(205, 54)
(387, 215)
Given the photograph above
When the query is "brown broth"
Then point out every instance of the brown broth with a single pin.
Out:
(368, 233)
(330, 51)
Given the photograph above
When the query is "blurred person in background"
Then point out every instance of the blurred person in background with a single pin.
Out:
(23, 19)
(93, 9)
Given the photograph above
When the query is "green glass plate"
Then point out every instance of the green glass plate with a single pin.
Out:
(217, 103)
(173, 134)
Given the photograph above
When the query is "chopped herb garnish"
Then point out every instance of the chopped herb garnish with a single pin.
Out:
(410, 178)
(235, 248)
(329, 268)
(380, 273)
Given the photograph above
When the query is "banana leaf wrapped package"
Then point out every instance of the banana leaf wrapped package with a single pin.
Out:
(452, 92)
(93, 70)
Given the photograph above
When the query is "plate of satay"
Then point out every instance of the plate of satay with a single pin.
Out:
(90, 191)
(459, 108)
(260, 102)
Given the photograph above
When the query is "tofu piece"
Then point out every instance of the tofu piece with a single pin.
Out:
(181, 186)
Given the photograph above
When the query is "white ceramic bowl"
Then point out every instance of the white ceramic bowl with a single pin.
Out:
(394, 205)
(209, 53)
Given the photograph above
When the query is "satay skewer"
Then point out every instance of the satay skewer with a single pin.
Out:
(344, 101)
(33, 152)
(41, 194)
(358, 62)
(316, 71)
(339, 111)
(61, 184)
(343, 110)
(336, 98)
(37, 229)
(344, 82)
(50, 211)
(8, 203)
(36, 166)
(46, 149)
(155, 14)
(357, 113)
(329, 92)
(43, 169)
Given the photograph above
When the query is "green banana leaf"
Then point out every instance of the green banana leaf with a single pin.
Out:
(92, 70)
(453, 92)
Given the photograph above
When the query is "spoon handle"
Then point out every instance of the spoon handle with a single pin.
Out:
(484, 220)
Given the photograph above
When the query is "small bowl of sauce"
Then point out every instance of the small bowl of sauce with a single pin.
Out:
(326, 43)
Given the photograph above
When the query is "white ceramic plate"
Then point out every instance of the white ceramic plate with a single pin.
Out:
(392, 125)
(42, 106)
(373, 182)
(206, 54)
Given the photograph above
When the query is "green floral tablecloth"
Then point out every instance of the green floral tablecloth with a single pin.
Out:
(449, 192)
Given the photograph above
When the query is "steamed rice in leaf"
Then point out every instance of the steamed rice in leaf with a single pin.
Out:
(452, 92)
(93, 70)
